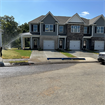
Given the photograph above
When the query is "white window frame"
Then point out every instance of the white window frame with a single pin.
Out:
(100, 31)
(35, 28)
(73, 29)
(49, 28)
(85, 30)
(62, 29)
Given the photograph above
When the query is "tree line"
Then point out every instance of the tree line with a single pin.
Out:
(12, 29)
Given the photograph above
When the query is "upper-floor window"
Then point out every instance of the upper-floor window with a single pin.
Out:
(48, 27)
(85, 30)
(60, 29)
(35, 28)
(100, 29)
(75, 29)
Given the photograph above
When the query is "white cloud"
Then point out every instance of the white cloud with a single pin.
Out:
(84, 13)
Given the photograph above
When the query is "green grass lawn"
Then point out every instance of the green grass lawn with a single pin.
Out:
(66, 54)
(92, 51)
(14, 53)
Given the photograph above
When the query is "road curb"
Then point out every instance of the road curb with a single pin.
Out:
(46, 63)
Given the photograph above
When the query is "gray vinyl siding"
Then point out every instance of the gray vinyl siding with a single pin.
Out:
(64, 30)
(48, 20)
(100, 22)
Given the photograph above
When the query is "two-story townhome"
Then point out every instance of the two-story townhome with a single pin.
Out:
(53, 32)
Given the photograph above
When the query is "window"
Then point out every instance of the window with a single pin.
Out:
(48, 28)
(75, 29)
(85, 30)
(35, 28)
(100, 29)
(60, 29)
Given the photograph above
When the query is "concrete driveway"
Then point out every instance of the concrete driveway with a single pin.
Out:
(84, 54)
(41, 56)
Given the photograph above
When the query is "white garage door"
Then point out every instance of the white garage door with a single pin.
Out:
(75, 44)
(48, 44)
(99, 45)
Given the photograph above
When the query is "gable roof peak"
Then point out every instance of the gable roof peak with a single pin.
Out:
(47, 15)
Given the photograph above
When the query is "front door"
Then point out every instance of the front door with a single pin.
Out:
(35, 43)
(60, 43)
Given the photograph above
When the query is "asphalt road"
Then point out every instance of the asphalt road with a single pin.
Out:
(26, 70)
(55, 84)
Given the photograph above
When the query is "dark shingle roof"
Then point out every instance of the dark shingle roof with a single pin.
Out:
(63, 19)
(37, 20)
(91, 21)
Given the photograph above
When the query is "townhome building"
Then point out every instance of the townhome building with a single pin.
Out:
(75, 32)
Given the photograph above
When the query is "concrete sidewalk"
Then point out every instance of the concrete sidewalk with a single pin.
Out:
(40, 57)
(84, 54)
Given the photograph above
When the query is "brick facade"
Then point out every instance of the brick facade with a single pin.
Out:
(74, 36)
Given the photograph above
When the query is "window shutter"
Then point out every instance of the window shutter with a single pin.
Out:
(88, 30)
(104, 29)
(44, 27)
(54, 28)
(32, 27)
(95, 29)
(38, 28)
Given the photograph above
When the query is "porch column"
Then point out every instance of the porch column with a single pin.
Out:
(65, 44)
(92, 30)
(31, 42)
(58, 42)
(21, 42)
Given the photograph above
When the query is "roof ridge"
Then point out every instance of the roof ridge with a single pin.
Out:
(95, 17)
(64, 16)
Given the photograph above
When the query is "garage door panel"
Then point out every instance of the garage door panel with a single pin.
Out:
(48, 44)
(99, 45)
(75, 45)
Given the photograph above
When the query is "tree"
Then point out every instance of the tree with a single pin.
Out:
(24, 28)
(10, 28)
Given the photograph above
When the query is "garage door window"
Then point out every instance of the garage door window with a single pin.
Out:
(75, 29)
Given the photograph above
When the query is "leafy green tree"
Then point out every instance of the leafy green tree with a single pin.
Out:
(24, 28)
(10, 28)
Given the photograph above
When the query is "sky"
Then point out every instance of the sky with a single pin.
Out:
(27, 10)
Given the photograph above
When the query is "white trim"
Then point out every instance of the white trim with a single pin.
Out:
(61, 36)
(65, 44)
(31, 43)
(75, 23)
(57, 29)
(99, 18)
(29, 27)
(21, 42)
(73, 16)
(87, 37)
(48, 14)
